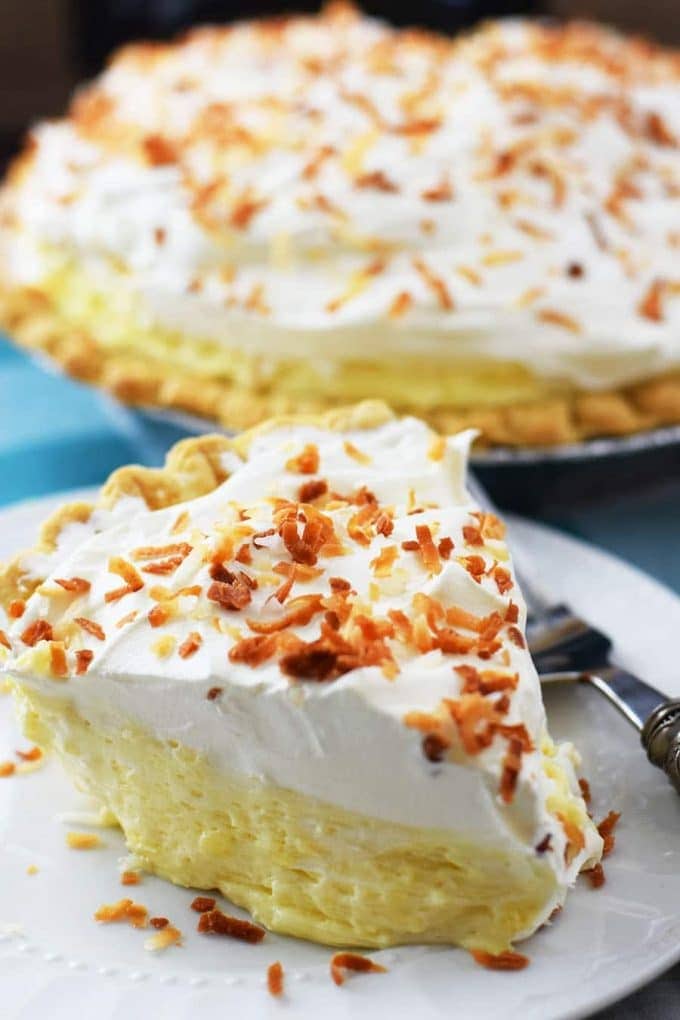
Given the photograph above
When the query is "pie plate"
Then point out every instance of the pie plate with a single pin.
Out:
(57, 962)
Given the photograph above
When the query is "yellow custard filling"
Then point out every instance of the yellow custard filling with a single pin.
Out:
(300, 866)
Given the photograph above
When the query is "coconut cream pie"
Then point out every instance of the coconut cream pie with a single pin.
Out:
(293, 667)
(293, 214)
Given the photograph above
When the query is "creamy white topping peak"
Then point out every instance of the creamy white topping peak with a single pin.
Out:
(512, 194)
(337, 609)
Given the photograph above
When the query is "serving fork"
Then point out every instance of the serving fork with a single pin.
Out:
(567, 649)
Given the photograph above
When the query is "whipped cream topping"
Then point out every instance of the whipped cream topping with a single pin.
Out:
(296, 189)
(340, 684)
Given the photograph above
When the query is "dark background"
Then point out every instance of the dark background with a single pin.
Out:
(47, 46)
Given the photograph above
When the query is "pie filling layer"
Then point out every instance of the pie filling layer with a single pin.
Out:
(301, 866)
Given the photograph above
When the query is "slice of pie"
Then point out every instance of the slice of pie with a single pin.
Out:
(293, 667)
(296, 214)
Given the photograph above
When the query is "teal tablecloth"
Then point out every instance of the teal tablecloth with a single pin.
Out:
(56, 434)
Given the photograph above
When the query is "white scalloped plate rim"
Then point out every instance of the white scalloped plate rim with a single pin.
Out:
(55, 960)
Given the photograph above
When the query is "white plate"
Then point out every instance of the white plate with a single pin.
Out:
(56, 962)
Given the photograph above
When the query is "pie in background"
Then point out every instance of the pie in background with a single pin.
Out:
(289, 215)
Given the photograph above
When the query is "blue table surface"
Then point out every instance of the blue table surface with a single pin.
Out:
(56, 434)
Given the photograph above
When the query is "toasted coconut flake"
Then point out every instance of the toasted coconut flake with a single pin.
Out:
(284, 590)
(301, 571)
(437, 448)
(159, 151)
(384, 561)
(309, 491)
(575, 838)
(556, 318)
(91, 627)
(275, 979)
(159, 615)
(4, 640)
(651, 305)
(300, 611)
(435, 284)
(311, 169)
(33, 754)
(606, 830)
(658, 131)
(232, 592)
(202, 904)
(340, 584)
(486, 681)
(214, 922)
(512, 764)
(512, 613)
(456, 616)
(434, 747)
(341, 963)
(595, 876)
(428, 550)
(213, 693)
(128, 618)
(355, 453)
(376, 180)
(584, 787)
(503, 579)
(181, 523)
(7, 769)
(472, 535)
(190, 645)
(501, 258)
(130, 878)
(475, 566)
(77, 585)
(39, 630)
(508, 960)
(490, 525)
(133, 582)
(470, 274)
(306, 462)
(163, 566)
(16, 609)
(124, 910)
(515, 635)
(445, 547)
(84, 658)
(244, 555)
(83, 840)
(245, 210)
(58, 664)
(163, 939)
(253, 651)
(400, 305)
(442, 192)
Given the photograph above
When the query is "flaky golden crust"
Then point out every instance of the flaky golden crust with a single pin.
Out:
(28, 316)
(193, 467)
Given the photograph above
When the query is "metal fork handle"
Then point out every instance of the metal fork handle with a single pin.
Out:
(659, 731)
